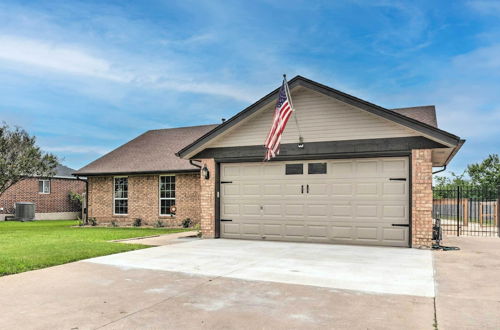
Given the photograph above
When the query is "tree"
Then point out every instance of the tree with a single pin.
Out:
(487, 173)
(20, 158)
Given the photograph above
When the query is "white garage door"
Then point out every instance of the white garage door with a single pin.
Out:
(357, 201)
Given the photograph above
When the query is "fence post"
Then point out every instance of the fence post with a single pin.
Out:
(498, 211)
(458, 210)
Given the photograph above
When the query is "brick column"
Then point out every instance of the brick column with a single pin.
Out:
(207, 200)
(421, 196)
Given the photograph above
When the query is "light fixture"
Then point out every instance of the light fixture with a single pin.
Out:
(205, 172)
(301, 143)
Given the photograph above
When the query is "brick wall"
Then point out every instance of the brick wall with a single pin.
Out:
(143, 199)
(57, 201)
(421, 197)
(208, 200)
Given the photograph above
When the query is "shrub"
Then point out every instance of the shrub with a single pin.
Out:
(159, 223)
(93, 221)
(186, 223)
(137, 222)
(197, 227)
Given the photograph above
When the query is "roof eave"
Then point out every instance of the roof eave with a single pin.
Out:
(446, 137)
(135, 172)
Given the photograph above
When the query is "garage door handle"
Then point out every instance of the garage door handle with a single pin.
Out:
(226, 220)
(302, 189)
(400, 225)
(308, 189)
(397, 179)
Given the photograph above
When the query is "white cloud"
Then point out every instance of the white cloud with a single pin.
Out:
(486, 7)
(56, 57)
(67, 59)
(76, 149)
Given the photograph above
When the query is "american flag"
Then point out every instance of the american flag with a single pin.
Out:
(282, 113)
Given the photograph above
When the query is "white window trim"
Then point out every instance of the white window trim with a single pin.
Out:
(159, 195)
(43, 186)
(114, 197)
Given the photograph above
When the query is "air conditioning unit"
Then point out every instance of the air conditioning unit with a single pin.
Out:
(25, 211)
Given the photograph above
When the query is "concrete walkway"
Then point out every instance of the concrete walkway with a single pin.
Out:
(159, 240)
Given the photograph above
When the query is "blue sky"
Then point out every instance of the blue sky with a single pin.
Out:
(85, 77)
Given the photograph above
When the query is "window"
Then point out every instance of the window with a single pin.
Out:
(121, 195)
(292, 169)
(44, 186)
(167, 194)
(316, 168)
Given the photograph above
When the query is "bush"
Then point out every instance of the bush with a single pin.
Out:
(159, 223)
(186, 223)
(197, 227)
(93, 221)
(137, 222)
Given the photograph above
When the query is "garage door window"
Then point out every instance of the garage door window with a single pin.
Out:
(294, 169)
(316, 168)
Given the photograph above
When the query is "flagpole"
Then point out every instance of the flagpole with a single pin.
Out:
(289, 95)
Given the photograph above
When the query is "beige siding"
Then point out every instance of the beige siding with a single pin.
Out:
(321, 118)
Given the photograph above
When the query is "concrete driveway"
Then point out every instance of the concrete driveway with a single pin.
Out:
(251, 285)
(359, 268)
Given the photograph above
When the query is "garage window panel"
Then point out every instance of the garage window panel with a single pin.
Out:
(167, 194)
(294, 169)
(316, 168)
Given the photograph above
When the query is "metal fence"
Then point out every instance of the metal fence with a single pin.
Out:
(467, 211)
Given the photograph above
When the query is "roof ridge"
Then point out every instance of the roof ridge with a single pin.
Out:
(171, 128)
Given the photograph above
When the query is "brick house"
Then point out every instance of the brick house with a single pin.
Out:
(50, 195)
(348, 172)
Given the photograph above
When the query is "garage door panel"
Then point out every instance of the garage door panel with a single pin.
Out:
(272, 229)
(294, 209)
(298, 230)
(251, 228)
(353, 203)
(342, 232)
(317, 231)
(292, 190)
(230, 209)
(271, 209)
(395, 234)
(341, 189)
(367, 189)
(250, 210)
(229, 190)
(271, 190)
(394, 188)
(367, 168)
(366, 233)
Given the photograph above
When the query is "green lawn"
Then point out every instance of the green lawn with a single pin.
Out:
(31, 245)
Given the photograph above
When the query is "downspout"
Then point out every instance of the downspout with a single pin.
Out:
(441, 170)
(195, 165)
(86, 209)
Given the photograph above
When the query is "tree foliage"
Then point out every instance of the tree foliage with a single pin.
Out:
(487, 173)
(20, 158)
(480, 176)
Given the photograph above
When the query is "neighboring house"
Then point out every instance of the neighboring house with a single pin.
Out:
(50, 195)
(363, 174)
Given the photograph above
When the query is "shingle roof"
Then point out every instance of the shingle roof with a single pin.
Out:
(64, 171)
(425, 114)
(151, 152)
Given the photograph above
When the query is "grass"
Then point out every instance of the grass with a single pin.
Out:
(32, 245)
